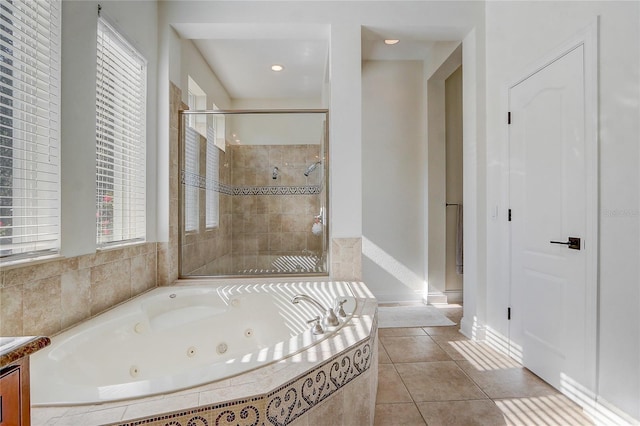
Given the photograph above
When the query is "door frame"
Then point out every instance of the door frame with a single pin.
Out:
(588, 38)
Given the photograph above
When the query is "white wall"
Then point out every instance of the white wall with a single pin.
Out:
(345, 137)
(518, 34)
(446, 58)
(436, 186)
(453, 172)
(393, 179)
(192, 64)
(137, 21)
(474, 183)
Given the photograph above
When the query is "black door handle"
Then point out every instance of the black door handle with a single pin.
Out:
(573, 243)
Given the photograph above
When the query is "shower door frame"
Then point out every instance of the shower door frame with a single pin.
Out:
(326, 248)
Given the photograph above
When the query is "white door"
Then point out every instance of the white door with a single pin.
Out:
(548, 205)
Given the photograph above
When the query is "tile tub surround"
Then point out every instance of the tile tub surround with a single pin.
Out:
(168, 251)
(335, 379)
(346, 259)
(46, 297)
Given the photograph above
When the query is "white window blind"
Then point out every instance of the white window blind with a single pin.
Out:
(192, 179)
(212, 179)
(29, 128)
(120, 139)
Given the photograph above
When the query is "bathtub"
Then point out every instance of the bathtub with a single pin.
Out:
(271, 369)
(178, 337)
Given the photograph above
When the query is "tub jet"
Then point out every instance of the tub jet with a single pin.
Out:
(222, 348)
(134, 371)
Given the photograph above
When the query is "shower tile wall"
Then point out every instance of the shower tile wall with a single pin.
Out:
(268, 226)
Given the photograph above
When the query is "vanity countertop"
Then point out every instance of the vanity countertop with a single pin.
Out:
(14, 348)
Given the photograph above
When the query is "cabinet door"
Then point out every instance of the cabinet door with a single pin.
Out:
(10, 398)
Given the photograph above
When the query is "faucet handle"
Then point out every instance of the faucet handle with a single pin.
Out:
(316, 328)
(339, 309)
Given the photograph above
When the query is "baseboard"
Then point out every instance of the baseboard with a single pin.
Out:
(446, 297)
(601, 411)
(454, 296)
(436, 297)
(397, 298)
(607, 414)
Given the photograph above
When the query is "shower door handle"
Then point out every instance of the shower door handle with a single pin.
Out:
(573, 243)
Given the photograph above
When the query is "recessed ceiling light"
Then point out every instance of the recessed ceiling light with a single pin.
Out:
(277, 67)
(391, 41)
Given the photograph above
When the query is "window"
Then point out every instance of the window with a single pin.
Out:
(197, 100)
(29, 128)
(120, 140)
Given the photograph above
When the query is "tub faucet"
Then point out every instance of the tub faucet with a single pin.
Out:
(329, 319)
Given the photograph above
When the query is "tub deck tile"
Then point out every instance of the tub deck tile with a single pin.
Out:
(166, 404)
(319, 391)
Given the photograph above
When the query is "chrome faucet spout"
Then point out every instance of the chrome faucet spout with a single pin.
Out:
(298, 297)
(329, 319)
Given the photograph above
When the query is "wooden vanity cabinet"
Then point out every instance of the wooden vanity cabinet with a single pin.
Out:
(14, 394)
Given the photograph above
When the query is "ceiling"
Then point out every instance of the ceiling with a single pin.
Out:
(241, 55)
(244, 67)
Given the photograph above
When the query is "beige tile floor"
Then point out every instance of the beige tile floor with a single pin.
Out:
(436, 376)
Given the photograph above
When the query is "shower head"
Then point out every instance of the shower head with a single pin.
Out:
(311, 168)
(274, 174)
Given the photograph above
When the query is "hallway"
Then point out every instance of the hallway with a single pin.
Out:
(436, 376)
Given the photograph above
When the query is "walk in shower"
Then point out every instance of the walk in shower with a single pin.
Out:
(253, 192)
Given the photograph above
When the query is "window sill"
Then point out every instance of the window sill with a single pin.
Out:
(120, 245)
(29, 261)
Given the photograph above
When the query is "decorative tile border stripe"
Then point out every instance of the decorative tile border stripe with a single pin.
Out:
(291, 401)
(199, 181)
(283, 405)
(277, 190)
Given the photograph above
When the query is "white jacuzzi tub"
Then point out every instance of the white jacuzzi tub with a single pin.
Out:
(173, 338)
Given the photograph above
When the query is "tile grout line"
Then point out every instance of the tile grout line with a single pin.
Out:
(415, 403)
(405, 386)
(401, 379)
